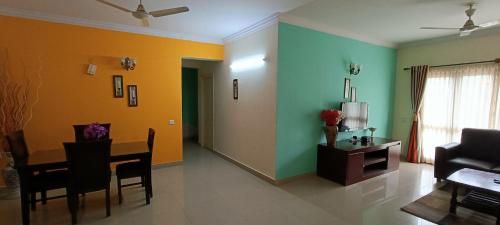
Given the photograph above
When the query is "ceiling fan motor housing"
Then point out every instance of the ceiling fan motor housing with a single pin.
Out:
(469, 25)
(140, 13)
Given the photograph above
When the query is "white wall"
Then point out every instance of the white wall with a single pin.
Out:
(477, 47)
(206, 118)
(245, 129)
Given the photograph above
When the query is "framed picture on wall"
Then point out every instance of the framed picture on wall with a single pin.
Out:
(118, 86)
(353, 94)
(235, 89)
(132, 95)
(347, 87)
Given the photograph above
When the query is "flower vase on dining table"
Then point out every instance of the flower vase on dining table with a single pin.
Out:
(95, 132)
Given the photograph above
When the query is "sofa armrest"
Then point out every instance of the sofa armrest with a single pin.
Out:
(446, 152)
(442, 155)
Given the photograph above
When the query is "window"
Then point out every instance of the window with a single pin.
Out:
(456, 98)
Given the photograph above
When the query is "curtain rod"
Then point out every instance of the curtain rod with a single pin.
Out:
(459, 64)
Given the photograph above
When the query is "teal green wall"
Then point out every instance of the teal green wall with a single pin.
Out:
(190, 96)
(311, 69)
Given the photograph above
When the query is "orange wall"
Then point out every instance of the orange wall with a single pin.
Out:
(69, 96)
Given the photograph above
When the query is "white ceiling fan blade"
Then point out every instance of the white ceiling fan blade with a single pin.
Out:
(166, 12)
(490, 24)
(145, 22)
(438, 28)
(465, 33)
(115, 6)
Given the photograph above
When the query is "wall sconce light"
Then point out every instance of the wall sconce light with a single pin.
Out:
(128, 63)
(248, 63)
(354, 69)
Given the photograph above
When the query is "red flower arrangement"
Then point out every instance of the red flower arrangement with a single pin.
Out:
(331, 116)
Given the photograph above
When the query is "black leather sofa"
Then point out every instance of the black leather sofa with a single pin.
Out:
(479, 149)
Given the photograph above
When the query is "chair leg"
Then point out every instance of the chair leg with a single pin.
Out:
(68, 200)
(74, 208)
(33, 201)
(142, 181)
(44, 197)
(108, 203)
(146, 189)
(147, 195)
(119, 184)
(150, 184)
(77, 202)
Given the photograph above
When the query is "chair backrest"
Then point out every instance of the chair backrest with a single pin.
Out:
(18, 147)
(151, 139)
(79, 131)
(88, 164)
(483, 144)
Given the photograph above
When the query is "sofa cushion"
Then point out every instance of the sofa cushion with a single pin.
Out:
(482, 144)
(463, 162)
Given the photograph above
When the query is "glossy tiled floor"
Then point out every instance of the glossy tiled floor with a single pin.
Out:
(207, 190)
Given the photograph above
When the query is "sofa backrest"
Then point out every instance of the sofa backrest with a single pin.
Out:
(483, 144)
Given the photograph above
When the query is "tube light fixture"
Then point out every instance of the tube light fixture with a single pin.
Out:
(252, 62)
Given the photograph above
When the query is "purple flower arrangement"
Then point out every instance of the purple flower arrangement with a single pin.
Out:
(95, 131)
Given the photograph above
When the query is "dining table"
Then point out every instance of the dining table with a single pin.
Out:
(54, 159)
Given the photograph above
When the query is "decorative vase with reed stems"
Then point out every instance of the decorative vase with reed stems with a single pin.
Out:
(331, 135)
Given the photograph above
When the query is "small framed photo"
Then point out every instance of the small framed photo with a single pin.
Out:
(132, 95)
(347, 87)
(353, 94)
(235, 89)
(118, 86)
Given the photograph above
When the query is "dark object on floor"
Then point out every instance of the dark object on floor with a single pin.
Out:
(135, 169)
(89, 171)
(434, 207)
(479, 149)
(39, 181)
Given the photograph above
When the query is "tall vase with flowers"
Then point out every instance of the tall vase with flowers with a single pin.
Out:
(332, 117)
(95, 132)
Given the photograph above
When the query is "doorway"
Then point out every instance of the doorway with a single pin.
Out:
(198, 101)
(190, 104)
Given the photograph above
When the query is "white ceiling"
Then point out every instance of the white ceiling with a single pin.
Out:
(387, 21)
(395, 21)
(207, 20)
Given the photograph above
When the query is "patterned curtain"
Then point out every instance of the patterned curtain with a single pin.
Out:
(418, 79)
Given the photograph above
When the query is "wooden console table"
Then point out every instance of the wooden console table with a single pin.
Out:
(352, 162)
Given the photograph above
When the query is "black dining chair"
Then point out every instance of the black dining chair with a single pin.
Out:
(137, 169)
(89, 171)
(38, 181)
(79, 131)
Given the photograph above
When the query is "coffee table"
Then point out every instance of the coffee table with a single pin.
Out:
(483, 195)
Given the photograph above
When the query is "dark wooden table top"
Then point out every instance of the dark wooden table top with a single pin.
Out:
(476, 179)
(119, 151)
(349, 146)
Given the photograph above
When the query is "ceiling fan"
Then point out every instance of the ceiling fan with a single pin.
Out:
(143, 15)
(469, 25)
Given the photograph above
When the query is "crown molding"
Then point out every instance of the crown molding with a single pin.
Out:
(437, 40)
(302, 22)
(14, 12)
(262, 24)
